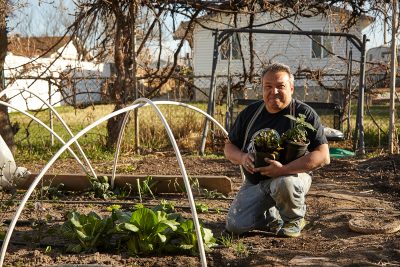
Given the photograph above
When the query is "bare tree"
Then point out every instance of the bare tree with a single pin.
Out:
(5, 125)
(43, 18)
(125, 28)
(118, 23)
(123, 31)
(56, 18)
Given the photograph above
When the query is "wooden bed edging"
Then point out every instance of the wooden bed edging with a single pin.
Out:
(164, 183)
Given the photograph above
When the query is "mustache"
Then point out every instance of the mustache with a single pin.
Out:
(275, 97)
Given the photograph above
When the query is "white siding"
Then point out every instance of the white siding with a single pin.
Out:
(380, 54)
(293, 50)
(20, 73)
(68, 51)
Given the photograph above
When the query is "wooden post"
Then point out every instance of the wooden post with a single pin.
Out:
(393, 74)
(51, 115)
(133, 11)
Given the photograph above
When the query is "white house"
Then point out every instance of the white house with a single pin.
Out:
(61, 58)
(379, 72)
(381, 54)
(321, 65)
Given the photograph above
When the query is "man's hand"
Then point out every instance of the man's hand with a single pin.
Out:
(236, 156)
(247, 161)
(274, 168)
(309, 162)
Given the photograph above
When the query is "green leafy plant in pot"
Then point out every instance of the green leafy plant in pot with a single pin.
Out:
(266, 145)
(294, 141)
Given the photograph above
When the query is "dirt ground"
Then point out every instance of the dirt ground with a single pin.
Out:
(346, 189)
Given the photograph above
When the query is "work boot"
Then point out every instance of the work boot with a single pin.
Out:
(275, 226)
(293, 228)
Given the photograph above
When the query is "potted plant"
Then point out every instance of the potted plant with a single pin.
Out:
(295, 141)
(266, 145)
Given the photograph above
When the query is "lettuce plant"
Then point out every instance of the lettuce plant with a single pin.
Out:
(202, 208)
(147, 230)
(91, 231)
(144, 231)
(186, 239)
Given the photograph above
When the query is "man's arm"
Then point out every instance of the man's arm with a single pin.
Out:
(236, 156)
(318, 158)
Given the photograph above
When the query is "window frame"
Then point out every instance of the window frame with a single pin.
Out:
(227, 49)
(326, 41)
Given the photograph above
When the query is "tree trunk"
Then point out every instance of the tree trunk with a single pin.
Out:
(5, 124)
(124, 85)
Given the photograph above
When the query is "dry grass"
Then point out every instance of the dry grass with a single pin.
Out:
(34, 142)
(186, 125)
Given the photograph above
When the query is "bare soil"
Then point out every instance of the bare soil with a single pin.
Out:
(346, 189)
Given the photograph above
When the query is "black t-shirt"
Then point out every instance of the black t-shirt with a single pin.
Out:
(276, 121)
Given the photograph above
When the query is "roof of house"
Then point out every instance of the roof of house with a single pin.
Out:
(36, 46)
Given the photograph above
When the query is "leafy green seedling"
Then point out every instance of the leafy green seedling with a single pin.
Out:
(91, 231)
(146, 187)
(241, 249)
(165, 206)
(124, 191)
(113, 207)
(225, 240)
(212, 194)
(187, 240)
(52, 192)
(298, 133)
(267, 141)
(101, 187)
(202, 208)
(147, 230)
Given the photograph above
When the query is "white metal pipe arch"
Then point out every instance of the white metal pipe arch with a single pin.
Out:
(125, 121)
(48, 129)
(88, 128)
(22, 90)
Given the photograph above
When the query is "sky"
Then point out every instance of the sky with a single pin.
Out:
(40, 17)
(37, 18)
(51, 17)
(375, 34)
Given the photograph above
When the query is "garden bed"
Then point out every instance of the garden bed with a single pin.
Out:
(341, 191)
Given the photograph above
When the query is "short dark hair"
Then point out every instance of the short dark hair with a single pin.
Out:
(278, 67)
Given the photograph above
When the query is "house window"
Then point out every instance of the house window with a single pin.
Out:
(385, 55)
(231, 47)
(321, 45)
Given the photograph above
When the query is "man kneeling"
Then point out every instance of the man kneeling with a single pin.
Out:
(273, 197)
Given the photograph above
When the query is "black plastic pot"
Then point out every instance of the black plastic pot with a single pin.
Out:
(259, 159)
(294, 150)
(254, 178)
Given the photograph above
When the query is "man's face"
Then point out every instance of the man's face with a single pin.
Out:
(277, 91)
